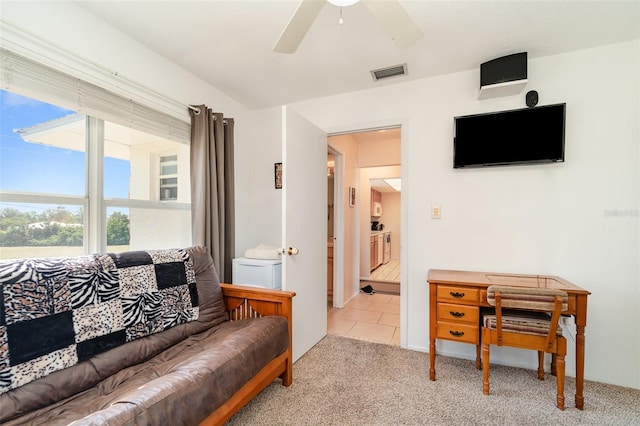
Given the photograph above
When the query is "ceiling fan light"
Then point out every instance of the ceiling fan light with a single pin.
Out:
(342, 3)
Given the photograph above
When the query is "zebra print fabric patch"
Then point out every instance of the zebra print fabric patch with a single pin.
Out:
(55, 313)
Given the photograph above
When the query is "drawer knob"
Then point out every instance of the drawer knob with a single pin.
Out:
(456, 294)
(456, 314)
(456, 333)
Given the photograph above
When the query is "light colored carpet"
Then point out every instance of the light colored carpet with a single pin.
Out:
(344, 381)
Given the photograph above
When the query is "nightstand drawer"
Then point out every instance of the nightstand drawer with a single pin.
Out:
(458, 332)
(458, 313)
(459, 294)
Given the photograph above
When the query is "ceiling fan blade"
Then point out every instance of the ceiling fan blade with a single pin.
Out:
(395, 21)
(298, 26)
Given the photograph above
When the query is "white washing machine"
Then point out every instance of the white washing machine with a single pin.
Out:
(257, 272)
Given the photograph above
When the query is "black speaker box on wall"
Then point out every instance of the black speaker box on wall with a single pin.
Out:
(504, 69)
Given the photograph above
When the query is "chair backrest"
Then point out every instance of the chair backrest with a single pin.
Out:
(531, 299)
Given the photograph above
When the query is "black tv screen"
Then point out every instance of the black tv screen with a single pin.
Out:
(522, 136)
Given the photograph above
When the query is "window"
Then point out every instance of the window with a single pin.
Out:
(169, 177)
(58, 197)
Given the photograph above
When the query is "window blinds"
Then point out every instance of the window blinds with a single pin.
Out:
(26, 77)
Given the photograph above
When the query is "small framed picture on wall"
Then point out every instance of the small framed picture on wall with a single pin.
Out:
(277, 170)
(352, 196)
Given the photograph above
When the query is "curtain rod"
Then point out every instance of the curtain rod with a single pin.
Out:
(197, 111)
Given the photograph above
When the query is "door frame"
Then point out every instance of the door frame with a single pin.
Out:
(338, 227)
(404, 125)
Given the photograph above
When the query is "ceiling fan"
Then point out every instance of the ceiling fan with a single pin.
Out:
(391, 15)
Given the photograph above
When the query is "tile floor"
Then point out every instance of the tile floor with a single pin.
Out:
(390, 271)
(374, 317)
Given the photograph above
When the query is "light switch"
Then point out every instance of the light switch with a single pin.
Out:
(436, 213)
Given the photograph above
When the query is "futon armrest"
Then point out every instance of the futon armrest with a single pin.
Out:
(253, 302)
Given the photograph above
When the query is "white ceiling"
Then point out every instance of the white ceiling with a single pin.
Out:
(228, 43)
(382, 185)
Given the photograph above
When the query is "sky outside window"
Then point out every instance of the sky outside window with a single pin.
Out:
(33, 167)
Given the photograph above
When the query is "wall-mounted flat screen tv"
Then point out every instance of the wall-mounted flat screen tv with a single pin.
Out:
(522, 136)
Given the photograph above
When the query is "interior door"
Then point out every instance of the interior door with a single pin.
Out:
(304, 227)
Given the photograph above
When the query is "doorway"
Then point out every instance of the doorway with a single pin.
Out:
(366, 155)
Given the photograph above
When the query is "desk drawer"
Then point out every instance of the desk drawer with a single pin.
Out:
(458, 332)
(458, 313)
(458, 293)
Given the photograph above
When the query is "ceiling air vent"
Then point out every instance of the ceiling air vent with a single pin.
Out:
(394, 71)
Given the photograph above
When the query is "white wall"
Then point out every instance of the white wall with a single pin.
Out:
(258, 202)
(381, 152)
(555, 219)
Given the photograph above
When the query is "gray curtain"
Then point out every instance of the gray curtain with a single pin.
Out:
(212, 188)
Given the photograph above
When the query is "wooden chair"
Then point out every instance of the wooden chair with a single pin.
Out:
(526, 324)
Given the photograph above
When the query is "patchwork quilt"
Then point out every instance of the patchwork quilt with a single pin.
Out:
(55, 313)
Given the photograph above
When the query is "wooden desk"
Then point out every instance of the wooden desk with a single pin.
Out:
(455, 299)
